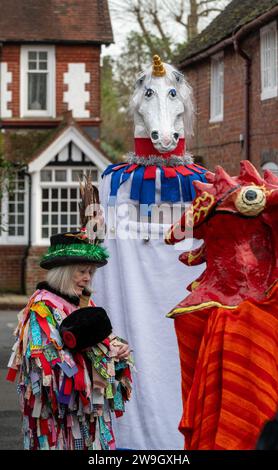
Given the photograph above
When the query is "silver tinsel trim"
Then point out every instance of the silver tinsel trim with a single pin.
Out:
(154, 160)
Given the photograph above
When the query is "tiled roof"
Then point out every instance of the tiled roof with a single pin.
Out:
(237, 14)
(21, 147)
(80, 21)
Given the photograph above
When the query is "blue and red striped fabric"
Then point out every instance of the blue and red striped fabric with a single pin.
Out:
(176, 182)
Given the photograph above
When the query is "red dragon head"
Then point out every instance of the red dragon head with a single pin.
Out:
(246, 195)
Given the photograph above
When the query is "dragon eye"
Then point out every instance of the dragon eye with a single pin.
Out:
(173, 93)
(149, 92)
(251, 200)
(251, 195)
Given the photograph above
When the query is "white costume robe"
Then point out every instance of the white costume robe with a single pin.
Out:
(142, 281)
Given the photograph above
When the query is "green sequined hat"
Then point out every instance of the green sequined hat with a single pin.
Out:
(73, 248)
(78, 247)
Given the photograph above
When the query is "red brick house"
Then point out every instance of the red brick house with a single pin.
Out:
(233, 69)
(49, 123)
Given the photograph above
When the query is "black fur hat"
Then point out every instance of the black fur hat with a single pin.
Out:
(85, 327)
(268, 439)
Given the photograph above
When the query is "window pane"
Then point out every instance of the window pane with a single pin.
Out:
(60, 175)
(43, 66)
(32, 55)
(20, 231)
(45, 194)
(45, 219)
(76, 174)
(64, 206)
(32, 65)
(12, 219)
(43, 55)
(44, 232)
(64, 219)
(37, 90)
(54, 206)
(20, 208)
(54, 230)
(54, 193)
(45, 206)
(73, 219)
(12, 231)
(64, 193)
(217, 85)
(46, 175)
(73, 193)
(11, 208)
(54, 219)
(94, 175)
(20, 219)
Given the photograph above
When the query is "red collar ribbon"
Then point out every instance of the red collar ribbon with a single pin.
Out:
(143, 147)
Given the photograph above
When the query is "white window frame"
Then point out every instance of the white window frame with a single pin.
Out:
(5, 238)
(272, 166)
(39, 240)
(51, 82)
(270, 91)
(216, 60)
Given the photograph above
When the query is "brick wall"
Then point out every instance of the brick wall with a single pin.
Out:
(73, 54)
(11, 271)
(11, 268)
(90, 55)
(263, 114)
(11, 55)
(219, 143)
(34, 273)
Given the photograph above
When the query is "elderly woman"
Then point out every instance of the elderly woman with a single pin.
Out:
(72, 371)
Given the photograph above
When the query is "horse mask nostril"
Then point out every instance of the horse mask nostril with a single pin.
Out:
(176, 135)
(154, 135)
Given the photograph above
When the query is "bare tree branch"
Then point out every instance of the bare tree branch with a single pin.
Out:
(205, 2)
(163, 15)
(208, 11)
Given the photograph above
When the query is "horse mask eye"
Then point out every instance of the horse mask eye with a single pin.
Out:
(149, 92)
(173, 93)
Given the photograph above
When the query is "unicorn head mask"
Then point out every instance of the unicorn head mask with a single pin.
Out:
(163, 108)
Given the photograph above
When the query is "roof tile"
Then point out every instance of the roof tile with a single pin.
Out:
(234, 16)
(55, 21)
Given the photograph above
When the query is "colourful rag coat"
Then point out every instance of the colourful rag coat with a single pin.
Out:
(66, 397)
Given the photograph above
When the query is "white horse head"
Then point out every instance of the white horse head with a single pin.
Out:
(162, 106)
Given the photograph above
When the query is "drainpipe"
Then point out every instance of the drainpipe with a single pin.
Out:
(247, 85)
(27, 248)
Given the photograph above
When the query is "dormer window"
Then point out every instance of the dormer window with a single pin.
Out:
(37, 81)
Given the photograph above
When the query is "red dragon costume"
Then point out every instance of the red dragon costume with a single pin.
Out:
(227, 327)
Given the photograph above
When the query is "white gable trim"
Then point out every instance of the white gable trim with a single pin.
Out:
(70, 134)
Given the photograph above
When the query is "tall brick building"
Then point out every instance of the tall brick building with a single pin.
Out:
(49, 123)
(233, 69)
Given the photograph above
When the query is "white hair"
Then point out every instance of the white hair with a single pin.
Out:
(184, 92)
(60, 278)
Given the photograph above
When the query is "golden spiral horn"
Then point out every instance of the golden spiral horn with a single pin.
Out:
(158, 67)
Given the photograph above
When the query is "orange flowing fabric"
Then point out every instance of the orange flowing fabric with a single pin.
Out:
(229, 363)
